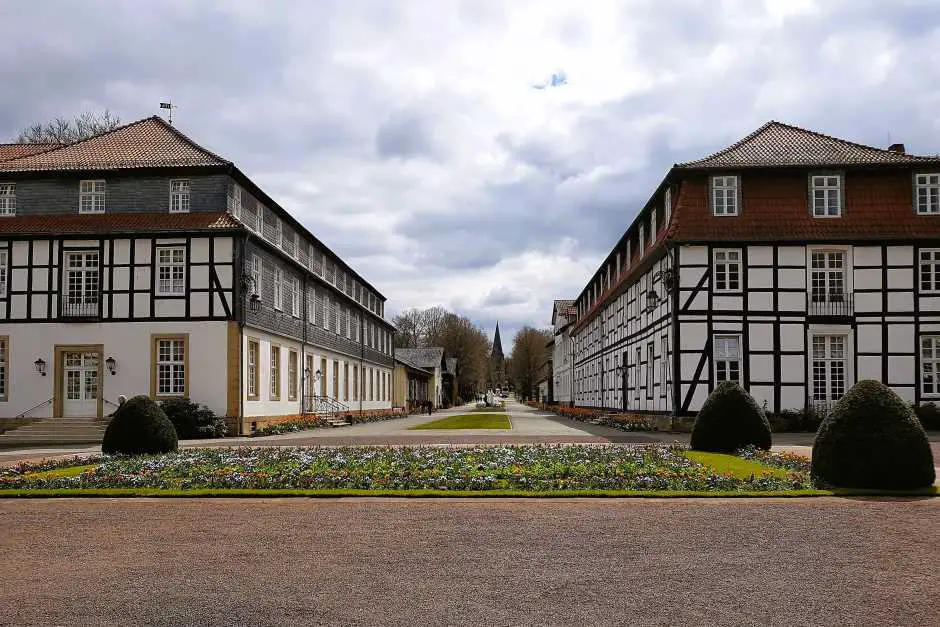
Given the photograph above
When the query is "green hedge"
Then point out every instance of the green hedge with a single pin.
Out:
(730, 419)
(139, 427)
(871, 439)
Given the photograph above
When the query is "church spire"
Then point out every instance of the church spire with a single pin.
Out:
(497, 344)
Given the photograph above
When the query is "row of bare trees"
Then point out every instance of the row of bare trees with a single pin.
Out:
(457, 335)
(68, 130)
(530, 352)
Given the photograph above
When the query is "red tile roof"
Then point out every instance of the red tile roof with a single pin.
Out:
(15, 151)
(150, 142)
(107, 223)
(780, 145)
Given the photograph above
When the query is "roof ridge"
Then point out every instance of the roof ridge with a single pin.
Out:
(736, 144)
(80, 141)
(841, 140)
(153, 118)
(186, 138)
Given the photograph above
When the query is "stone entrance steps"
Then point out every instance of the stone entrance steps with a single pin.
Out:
(56, 431)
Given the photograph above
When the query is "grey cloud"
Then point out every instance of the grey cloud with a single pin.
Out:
(502, 295)
(407, 134)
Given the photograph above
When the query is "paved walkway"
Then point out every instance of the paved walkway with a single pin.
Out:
(820, 561)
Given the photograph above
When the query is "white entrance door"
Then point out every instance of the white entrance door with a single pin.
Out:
(80, 383)
(828, 352)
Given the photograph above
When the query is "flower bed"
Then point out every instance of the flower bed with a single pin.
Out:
(621, 421)
(531, 468)
(313, 422)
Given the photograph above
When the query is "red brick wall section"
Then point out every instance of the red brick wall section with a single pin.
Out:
(775, 207)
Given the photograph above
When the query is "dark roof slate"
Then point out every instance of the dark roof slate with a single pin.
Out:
(423, 357)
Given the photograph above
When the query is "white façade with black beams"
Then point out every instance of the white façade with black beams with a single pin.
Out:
(809, 321)
(118, 279)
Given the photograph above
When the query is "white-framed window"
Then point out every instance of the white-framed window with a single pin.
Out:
(827, 276)
(254, 349)
(4, 368)
(170, 366)
(295, 297)
(292, 375)
(278, 289)
(727, 270)
(650, 362)
(275, 380)
(667, 205)
(179, 196)
(828, 367)
(639, 359)
(652, 231)
(171, 271)
(82, 283)
(234, 200)
(3, 273)
(725, 195)
(728, 358)
(259, 220)
(91, 197)
(311, 305)
(930, 365)
(296, 247)
(8, 199)
(826, 195)
(278, 232)
(255, 270)
(930, 271)
(664, 366)
(926, 193)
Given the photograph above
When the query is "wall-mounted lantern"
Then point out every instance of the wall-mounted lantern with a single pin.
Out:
(40, 366)
(110, 364)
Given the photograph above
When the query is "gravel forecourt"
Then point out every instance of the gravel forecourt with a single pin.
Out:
(469, 561)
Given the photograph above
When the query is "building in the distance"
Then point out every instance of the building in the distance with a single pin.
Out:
(792, 262)
(564, 314)
(138, 262)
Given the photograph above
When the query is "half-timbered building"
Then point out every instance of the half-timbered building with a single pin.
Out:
(138, 262)
(792, 262)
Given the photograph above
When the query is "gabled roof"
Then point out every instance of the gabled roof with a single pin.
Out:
(781, 145)
(15, 151)
(422, 357)
(147, 143)
(410, 364)
(563, 307)
(126, 222)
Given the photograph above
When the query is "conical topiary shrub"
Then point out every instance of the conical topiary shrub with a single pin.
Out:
(871, 439)
(139, 427)
(730, 419)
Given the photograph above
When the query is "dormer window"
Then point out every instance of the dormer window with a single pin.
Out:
(179, 196)
(725, 195)
(8, 199)
(91, 197)
(826, 195)
(926, 193)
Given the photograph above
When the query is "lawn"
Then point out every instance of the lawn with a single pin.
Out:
(734, 465)
(469, 421)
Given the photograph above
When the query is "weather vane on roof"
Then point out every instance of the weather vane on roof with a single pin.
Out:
(168, 105)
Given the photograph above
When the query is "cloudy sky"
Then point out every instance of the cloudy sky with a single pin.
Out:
(424, 140)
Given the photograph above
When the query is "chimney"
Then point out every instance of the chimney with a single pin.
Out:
(896, 148)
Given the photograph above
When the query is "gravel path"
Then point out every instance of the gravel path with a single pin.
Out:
(494, 562)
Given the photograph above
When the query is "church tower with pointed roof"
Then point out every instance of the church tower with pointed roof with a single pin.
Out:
(497, 363)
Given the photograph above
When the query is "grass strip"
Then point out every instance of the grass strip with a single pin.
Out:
(468, 421)
(735, 466)
(337, 493)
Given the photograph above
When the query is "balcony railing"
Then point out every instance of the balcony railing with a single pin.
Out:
(830, 305)
(81, 309)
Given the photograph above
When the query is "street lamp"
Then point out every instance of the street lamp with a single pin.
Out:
(652, 298)
(40, 366)
(110, 363)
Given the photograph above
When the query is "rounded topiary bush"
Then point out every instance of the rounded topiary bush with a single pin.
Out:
(193, 421)
(139, 427)
(871, 439)
(730, 419)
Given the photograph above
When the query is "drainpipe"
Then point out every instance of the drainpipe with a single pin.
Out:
(362, 354)
(240, 300)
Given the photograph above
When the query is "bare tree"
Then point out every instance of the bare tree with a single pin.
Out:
(66, 131)
(529, 353)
